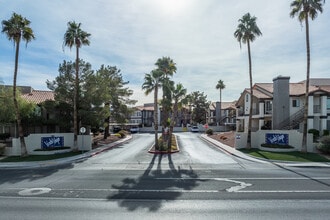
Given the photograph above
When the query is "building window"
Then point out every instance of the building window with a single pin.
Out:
(268, 107)
(295, 103)
(247, 98)
(328, 103)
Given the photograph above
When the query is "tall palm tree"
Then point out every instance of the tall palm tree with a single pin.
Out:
(304, 9)
(74, 36)
(179, 94)
(220, 86)
(246, 32)
(152, 82)
(18, 28)
(167, 66)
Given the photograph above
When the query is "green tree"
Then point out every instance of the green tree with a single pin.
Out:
(167, 66)
(7, 115)
(179, 94)
(152, 83)
(200, 106)
(220, 86)
(18, 28)
(64, 88)
(246, 32)
(304, 9)
(75, 36)
(107, 87)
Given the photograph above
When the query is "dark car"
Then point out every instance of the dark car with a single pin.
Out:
(116, 129)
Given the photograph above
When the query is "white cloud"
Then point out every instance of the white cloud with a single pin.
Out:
(196, 34)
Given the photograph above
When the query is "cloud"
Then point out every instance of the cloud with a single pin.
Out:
(196, 34)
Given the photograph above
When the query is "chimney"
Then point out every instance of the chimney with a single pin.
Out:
(281, 100)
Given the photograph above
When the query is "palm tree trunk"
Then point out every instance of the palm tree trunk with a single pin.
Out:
(220, 108)
(304, 140)
(75, 102)
(251, 92)
(24, 152)
(156, 117)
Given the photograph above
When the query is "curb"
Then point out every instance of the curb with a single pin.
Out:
(239, 154)
(62, 161)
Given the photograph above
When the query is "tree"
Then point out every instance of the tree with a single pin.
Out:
(178, 95)
(107, 87)
(304, 9)
(220, 86)
(16, 29)
(246, 32)
(64, 88)
(74, 36)
(200, 106)
(167, 66)
(153, 82)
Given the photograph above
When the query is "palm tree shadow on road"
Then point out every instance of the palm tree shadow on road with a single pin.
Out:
(155, 185)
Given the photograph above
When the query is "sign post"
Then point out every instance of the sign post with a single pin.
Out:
(82, 132)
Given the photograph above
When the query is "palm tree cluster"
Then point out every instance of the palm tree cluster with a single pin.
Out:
(159, 79)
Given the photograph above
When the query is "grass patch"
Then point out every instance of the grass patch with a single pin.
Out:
(40, 157)
(286, 156)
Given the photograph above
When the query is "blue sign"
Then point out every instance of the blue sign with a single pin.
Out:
(282, 139)
(52, 142)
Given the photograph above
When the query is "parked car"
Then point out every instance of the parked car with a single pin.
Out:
(116, 129)
(194, 129)
(134, 129)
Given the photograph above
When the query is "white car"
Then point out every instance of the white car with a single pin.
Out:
(134, 129)
(194, 129)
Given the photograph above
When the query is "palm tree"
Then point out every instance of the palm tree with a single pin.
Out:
(220, 86)
(167, 66)
(74, 36)
(18, 28)
(179, 93)
(246, 32)
(304, 9)
(152, 82)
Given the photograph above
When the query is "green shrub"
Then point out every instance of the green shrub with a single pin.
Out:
(315, 132)
(4, 136)
(326, 132)
(117, 135)
(281, 146)
(324, 145)
(209, 131)
(122, 133)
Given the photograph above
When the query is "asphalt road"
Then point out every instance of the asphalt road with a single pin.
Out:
(201, 181)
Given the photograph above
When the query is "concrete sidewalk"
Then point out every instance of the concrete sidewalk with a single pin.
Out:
(239, 154)
(62, 161)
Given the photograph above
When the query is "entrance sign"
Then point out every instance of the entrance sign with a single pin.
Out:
(52, 142)
(282, 139)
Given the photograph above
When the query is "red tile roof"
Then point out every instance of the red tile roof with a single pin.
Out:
(38, 96)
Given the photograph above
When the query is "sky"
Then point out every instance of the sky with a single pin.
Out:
(197, 34)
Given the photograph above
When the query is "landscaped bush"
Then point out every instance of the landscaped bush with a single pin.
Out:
(315, 132)
(223, 138)
(281, 146)
(122, 133)
(324, 145)
(4, 136)
(209, 131)
(326, 132)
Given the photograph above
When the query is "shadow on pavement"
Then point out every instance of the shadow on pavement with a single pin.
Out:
(18, 175)
(155, 185)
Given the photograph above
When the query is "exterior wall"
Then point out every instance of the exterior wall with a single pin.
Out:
(258, 138)
(33, 142)
(281, 102)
